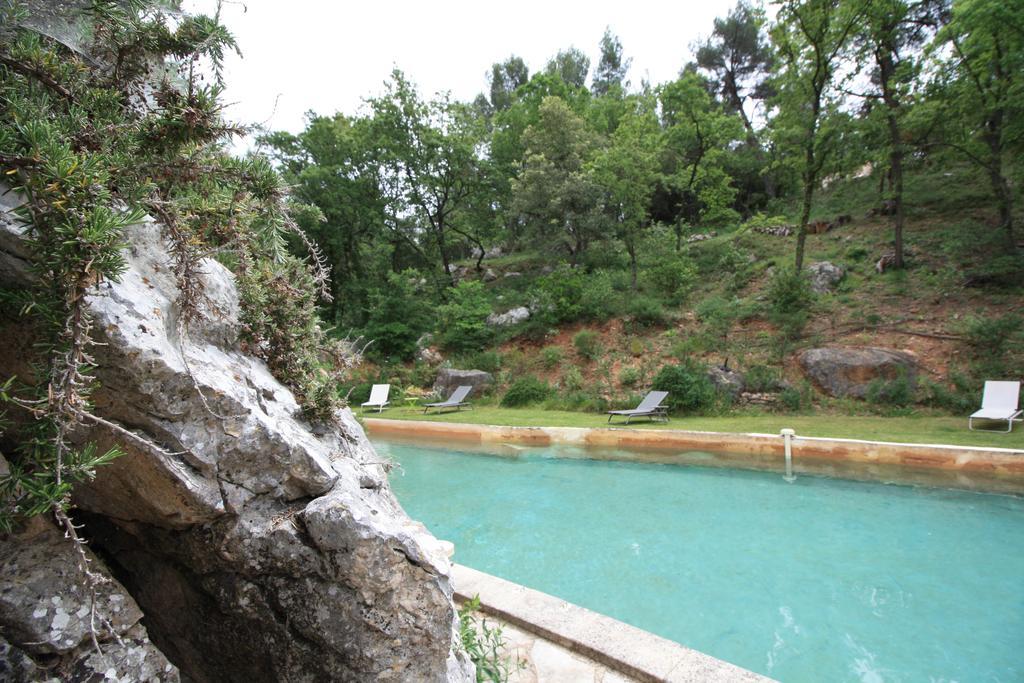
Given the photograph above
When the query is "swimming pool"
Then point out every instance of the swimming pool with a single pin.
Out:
(818, 580)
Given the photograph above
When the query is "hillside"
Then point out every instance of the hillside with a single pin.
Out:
(939, 308)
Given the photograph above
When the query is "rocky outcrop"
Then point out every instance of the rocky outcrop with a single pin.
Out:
(450, 378)
(726, 380)
(510, 317)
(48, 616)
(848, 372)
(259, 547)
(825, 276)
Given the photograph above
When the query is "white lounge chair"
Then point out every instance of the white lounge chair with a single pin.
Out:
(378, 397)
(998, 402)
(649, 407)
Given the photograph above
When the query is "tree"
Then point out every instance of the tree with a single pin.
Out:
(331, 165)
(628, 170)
(739, 59)
(612, 68)
(810, 36)
(429, 162)
(504, 79)
(571, 66)
(555, 191)
(979, 93)
(698, 140)
(890, 36)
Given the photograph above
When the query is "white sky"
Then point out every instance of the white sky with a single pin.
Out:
(329, 56)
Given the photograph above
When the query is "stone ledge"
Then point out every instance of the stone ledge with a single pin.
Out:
(623, 648)
(994, 470)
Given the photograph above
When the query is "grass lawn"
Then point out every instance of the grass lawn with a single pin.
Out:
(922, 429)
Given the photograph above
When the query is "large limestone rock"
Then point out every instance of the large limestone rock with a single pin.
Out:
(450, 378)
(510, 317)
(258, 546)
(726, 380)
(825, 276)
(842, 371)
(46, 613)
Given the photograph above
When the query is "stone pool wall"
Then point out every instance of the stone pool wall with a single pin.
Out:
(994, 470)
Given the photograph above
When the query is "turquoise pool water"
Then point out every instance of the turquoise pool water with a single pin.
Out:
(818, 580)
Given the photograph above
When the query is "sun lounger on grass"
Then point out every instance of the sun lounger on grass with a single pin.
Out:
(649, 407)
(378, 397)
(457, 400)
(999, 401)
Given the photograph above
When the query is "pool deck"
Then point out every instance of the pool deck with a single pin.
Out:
(599, 647)
(993, 470)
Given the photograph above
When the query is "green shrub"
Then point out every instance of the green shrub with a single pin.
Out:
(397, 318)
(898, 391)
(586, 344)
(550, 357)
(961, 399)
(488, 361)
(857, 254)
(643, 312)
(789, 291)
(684, 348)
(672, 278)
(989, 337)
(572, 379)
(636, 347)
(462, 322)
(567, 295)
(792, 399)
(688, 385)
(525, 391)
(629, 377)
(789, 298)
(761, 378)
(598, 300)
(358, 393)
(715, 257)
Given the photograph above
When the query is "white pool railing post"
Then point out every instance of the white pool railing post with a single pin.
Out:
(787, 435)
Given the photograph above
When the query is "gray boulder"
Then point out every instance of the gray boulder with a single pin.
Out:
(849, 371)
(489, 275)
(450, 378)
(511, 317)
(46, 611)
(282, 540)
(725, 380)
(825, 276)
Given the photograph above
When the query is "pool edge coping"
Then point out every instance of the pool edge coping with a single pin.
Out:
(619, 646)
(677, 433)
(974, 468)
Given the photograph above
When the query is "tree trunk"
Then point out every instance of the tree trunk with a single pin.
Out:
(805, 216)
(810, 177)
(631, 250)
(439, 239)
(887, 70)
(1004, 201)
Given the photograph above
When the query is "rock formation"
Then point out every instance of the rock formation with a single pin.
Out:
(46, 616)
(825, 276)
(450, 378)
(258, 547)
(510, 317)
(842, 371)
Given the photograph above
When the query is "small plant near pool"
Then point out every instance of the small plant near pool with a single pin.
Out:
(484, 644)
